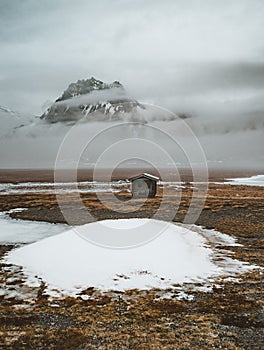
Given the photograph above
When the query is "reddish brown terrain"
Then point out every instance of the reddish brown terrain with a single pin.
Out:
(229, 317)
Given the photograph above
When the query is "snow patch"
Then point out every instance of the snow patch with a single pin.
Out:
(69, 264)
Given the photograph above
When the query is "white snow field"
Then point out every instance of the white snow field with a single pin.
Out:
(257, 180)
(67, 263)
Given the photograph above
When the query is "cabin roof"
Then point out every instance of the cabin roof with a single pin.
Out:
(146, 176)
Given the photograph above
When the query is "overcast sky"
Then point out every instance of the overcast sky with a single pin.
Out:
(183, 53)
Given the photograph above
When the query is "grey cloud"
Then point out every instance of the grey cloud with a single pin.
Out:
(185, 46)
(200, 57)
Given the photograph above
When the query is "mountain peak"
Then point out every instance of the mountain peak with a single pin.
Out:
(86, 86)
(88, 97)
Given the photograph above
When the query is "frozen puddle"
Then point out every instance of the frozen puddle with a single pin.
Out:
(22, 231)
(67, 263)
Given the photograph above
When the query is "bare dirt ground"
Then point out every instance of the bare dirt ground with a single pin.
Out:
(229, 317)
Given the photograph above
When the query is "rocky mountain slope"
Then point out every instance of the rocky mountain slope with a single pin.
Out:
(91, 99)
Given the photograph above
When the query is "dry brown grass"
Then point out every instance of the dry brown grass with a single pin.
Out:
(230, 317)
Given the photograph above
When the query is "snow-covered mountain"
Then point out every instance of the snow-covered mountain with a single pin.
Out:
(10, 121)
(91, 99)
(6, 110)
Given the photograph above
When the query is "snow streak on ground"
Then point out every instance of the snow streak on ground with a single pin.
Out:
(257, 180)
(85, 187)
(71, 187)
(61, 187)
(113, 187)
(68, 264)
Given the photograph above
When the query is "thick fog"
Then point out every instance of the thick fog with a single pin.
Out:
(160, 138)
(199, 59)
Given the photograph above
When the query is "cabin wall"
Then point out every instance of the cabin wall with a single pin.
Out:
(144, 188)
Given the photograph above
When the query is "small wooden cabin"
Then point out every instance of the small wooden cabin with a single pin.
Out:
(144, 185)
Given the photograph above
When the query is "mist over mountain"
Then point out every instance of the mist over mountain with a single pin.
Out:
(229, 133)
(92, 99)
